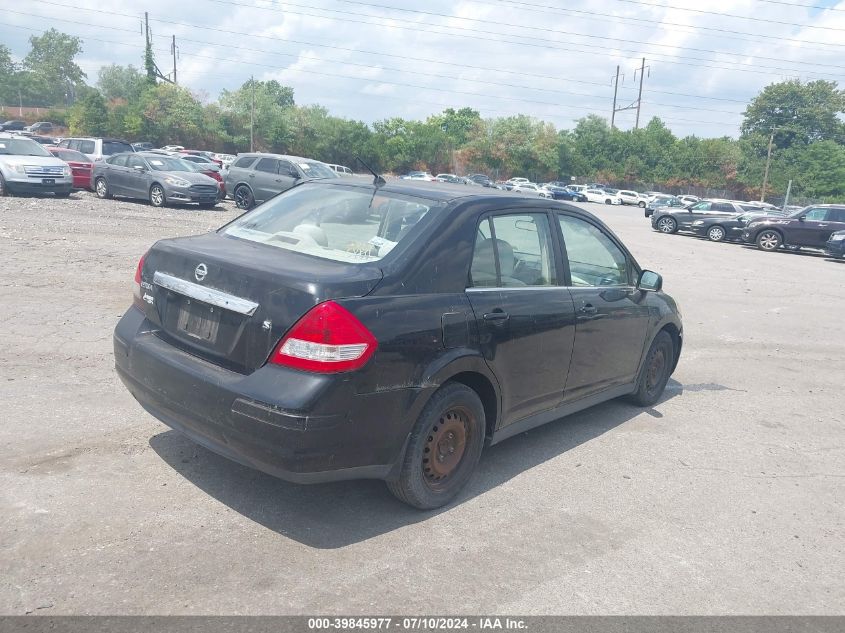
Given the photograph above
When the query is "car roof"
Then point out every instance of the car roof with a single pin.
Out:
(282, 156)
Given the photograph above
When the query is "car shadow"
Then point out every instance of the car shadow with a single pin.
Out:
(333, 515)
(805, 251)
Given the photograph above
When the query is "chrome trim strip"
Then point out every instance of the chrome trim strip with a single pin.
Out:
(206, 295)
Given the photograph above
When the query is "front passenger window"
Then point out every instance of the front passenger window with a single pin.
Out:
(816, 215)
(594, 259)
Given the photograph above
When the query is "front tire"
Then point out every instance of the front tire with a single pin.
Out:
(641, 204)
(769, 240)
(443, 450)
(157, 197)
(101, 188)
(716, 234)
(667, 225)
(655, 371)
(608, 201)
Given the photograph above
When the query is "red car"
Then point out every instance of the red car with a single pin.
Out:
(80, 166)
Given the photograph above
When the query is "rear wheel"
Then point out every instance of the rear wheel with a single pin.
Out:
(641, 204)
(101, 188)
(157, 197)
(667, 225)
(716, 234)
(443, 450)
(769, 240)
(243, 198)
(655, 371)
(608, 201)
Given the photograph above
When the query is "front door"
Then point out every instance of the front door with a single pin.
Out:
(136, 177)
(525, 317)
(815, 228)
(612, 318)
(116, 176)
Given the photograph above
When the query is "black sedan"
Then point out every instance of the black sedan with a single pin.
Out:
(396, 346)
(562, 193)
(720, 229)
(835, 246)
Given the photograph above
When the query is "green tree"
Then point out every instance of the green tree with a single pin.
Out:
(51, 62)
(89, 115)
(272, 102)
(121, 82)
(801, 113)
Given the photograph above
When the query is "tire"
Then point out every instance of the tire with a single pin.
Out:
(608, 201)
(769, 240)
(655, 372)
(101, 188)
(243, 198)
(667, 225)
(716, 233)
(157, 197)
(641, 204)
(451, 422)
(4, 191)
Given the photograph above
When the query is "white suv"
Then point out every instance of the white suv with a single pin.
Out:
(26, 167)
(602, 196)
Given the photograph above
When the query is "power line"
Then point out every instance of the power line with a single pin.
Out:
(400, 70)
(560, 32)
(548, 44)
(607, 17)
(802, 6)
(730, 15)
(756, 68)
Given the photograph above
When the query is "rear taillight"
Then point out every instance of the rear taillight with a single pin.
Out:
(328, 339)
(137, 288)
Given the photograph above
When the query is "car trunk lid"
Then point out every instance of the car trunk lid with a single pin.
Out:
(229, 300)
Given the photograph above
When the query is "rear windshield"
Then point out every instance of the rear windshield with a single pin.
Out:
(69, 154)
(344, 225)
(115, 147)
(21, 147)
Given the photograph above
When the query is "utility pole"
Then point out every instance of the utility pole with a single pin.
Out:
(768, 162)
(788, 191)
(615, 90)
(173, 50)
(252, 115)
(640, 95)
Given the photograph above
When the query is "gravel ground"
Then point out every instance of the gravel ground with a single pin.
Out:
(726, 497)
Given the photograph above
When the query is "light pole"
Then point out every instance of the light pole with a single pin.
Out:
(768, 162)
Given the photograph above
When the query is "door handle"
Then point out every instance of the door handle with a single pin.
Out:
(252, 175)
(588, 309)
(497, 318)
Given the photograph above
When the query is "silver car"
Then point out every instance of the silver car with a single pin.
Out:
(27, 168)
(254, 178)
(156, 177)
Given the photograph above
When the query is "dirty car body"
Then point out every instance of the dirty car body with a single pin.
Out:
(443, 286)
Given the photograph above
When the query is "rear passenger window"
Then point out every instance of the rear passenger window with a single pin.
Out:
(594, 259)
(86, 147)
(513, 251)
(268, 165)
(246, 161)
(723, 206)
(836, 215)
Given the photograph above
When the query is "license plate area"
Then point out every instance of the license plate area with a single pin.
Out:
(198, 320)
(48, 181)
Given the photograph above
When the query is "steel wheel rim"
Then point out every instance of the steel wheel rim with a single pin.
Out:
(101, 188)
(157, 196)
(446, 446)
(716, 234)
(665, 225)
(769, 241)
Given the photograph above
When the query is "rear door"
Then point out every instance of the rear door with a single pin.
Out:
(612, 319)
(525, 317)
(116, 176)
(263, 179)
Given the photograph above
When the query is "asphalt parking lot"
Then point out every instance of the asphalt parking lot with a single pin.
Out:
(726, 497)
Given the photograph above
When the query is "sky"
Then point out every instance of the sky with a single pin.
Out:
(551, 59)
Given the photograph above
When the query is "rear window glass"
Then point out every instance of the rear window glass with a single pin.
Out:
(115, 147)
(87, 147)
(70, 155)
(244, 162)
(344, 225)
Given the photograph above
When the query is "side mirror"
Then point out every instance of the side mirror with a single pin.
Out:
(650, 281)
(802, 218)
(140, 168)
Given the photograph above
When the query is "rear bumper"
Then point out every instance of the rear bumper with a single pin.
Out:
(301, 427)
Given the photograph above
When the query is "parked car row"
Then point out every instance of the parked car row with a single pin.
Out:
(820, 227)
